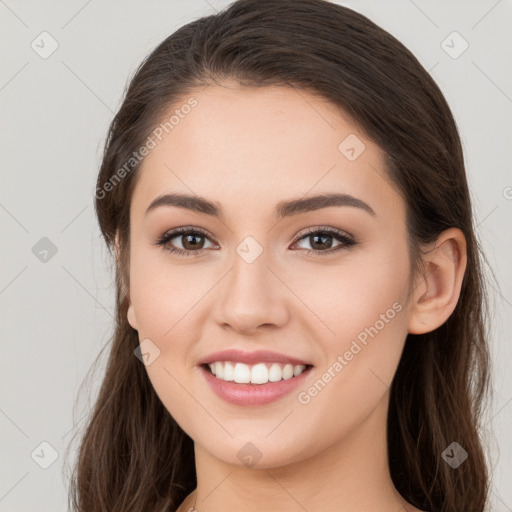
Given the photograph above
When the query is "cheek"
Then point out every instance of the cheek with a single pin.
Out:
(163, 298)
(161, 293)
(360, 359)
(346, 298)
(363, 329)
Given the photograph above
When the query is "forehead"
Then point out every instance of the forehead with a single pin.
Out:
(253, 147)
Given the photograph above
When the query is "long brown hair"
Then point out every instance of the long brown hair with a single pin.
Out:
(133, 456)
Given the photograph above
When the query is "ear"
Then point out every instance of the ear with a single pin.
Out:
(437, 291)
(132, 320)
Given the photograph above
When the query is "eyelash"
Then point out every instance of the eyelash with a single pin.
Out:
(346, 240)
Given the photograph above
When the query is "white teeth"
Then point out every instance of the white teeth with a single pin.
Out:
(288, 372)
(229, 371)
(219, 370)
(260, 373)
(298, 369)
(275, 373)
(242, 373)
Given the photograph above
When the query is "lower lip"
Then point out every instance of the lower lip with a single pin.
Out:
(253, 394)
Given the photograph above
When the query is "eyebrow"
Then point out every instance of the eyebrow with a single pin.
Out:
(283, 209)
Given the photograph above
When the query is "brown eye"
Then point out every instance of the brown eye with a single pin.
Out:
(192, 241)
(321, 240)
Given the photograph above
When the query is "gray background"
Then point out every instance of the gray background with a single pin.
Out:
(58, 313)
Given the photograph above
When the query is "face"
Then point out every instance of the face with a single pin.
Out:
(326, 284)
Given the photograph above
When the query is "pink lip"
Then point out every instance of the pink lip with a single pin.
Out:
(258, 356)
(252, 394)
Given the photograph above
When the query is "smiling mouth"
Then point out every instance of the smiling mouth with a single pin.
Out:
(260, 373)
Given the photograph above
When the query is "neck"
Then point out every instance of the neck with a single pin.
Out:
(352, 475)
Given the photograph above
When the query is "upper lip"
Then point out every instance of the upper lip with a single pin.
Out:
(258, 356)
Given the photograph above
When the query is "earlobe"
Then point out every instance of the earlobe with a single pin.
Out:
(132, 320)
(438, 291)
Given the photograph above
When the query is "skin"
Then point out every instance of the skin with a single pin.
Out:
(248, 149)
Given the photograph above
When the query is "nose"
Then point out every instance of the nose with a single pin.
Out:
(251, 298)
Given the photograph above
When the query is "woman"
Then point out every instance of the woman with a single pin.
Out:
(301, 320)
